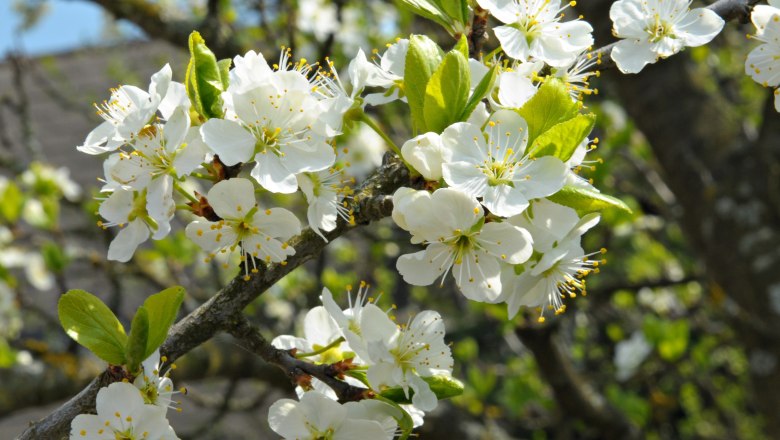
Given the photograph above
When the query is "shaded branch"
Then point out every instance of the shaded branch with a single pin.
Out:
(572, 392)
(371, 202)
(150, 18)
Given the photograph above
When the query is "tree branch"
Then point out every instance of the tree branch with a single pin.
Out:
(371, 202)
(149, 17)
(572, 392)
(296, 369)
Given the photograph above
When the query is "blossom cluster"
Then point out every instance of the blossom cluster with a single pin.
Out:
(135, 410)
(763, 62)
(373, 353)
(281, 119)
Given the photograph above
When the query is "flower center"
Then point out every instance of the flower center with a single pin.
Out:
(660, 29)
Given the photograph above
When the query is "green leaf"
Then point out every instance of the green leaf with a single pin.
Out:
(483, 88)
(586, 200)
(135, 352)
(563, 139)
(204, 79)
(92, 324)
(54, 257)
(422, 59)
(429, 9)
(669, 337)
(462, 46)
(13, 202)
(457, 10)
(447, 92)
(550, 105)
(224, 72)
(162, 307)
(443, 386)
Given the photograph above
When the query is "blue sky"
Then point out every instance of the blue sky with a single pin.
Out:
(68, 24)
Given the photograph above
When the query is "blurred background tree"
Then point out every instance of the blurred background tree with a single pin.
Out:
(678, 335)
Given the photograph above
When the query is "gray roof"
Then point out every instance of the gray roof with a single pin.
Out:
(60, 91)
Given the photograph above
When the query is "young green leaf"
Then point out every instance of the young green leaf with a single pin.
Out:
(13, 202)
(483, 88)
(224, 72)
(430, 9)
(585, 200)
(54, 257)
(447, 92)
(92, 324)
(135, 352)
(462, 46)
(443, 386)
(422, 59)
(204, 79)
(563, 139)
(550, 105)
(457, 10)
(162, 309)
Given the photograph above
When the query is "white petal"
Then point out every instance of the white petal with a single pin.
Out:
(478, 276)
(541, 177)
(176, 128)
(125, 243)
(424, 153)
(319, 328)
(418, 268)
(631, 56)
(463, 142)
(466, 177)
(229, 140)
(94, 143)
(117, 207)
(504, 200)
(455, 209)
(515, 89)
(232, 198)
(272, 175)
(699, 26)
(513, 42)
(507, 242)
(175, 97)
(278, 223)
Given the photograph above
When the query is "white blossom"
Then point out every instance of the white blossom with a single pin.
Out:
(629, 355)
(130, 109)
(273, 119)
(559, 264)
(494, 164)
(533, 30)
(452, 224)
(156, 388)
(404, 356)
(122, 414)
(161, 153)
(325, 192)
(128, 210)
(653, 29)
(316, 417)
(390, 74)
(763, 62)
(261, 234)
